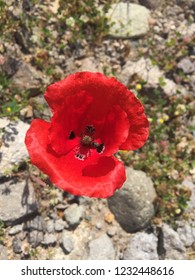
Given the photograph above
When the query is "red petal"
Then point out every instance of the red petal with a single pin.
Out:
(95, 177)
(139, 125)
(69, 118)
(115, 130)
(106, 94)
(81, 81)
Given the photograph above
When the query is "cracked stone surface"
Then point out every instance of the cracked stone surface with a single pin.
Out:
(17, 202)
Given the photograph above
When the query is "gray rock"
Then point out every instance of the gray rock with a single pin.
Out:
(67, 242)
(74, 214)
(3, 253)
(59, 225)
(21, 34)
(61, 206)
(142, 246)
(174, 247)
(10, 66)
(35, 238)
(84, 200)
(98, 225)
(149, 73)
(112, 231)
(49, 239)
(186, 231)
(132, 205)
(27, 77)
(13, 150)
(152, 4)
(15, 229)
(128, 20)
(17, 202)
(89, 64)
(101, 249)
(186, 65)
(35, 224)
(50, 226)
(17, 245)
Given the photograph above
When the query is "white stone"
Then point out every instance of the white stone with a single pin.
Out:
(13, 150)
(128, 20)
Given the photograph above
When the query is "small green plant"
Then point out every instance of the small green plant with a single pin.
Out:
(168, 52)
(84, 19)
(1, 231)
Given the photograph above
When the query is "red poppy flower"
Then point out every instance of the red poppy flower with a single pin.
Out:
(93, 117)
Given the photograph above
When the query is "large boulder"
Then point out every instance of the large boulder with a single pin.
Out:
(128, 20)
(132, 205)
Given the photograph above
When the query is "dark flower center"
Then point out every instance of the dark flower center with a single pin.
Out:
(87, 142)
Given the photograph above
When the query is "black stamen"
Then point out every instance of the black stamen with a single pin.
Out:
(71, 135)
(99, 147)
(90, 129)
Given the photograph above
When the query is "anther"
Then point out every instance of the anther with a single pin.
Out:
(99, 147)
(90, 129)
(71, 135)
(86, 140)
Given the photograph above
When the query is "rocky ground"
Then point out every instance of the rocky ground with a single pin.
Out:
(151, 50)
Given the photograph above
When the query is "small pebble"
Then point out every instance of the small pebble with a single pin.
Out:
(17, 245)
(98, 225)
(111, 231)
(59, 225)
(67, 243)
(74, 214)
(15, 229)
(50, 226)
(35, 238)
(49, 239)
(61, 206)
(109, 218)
